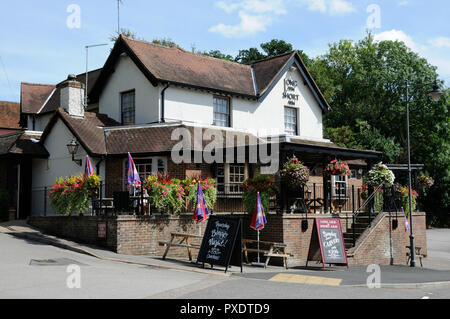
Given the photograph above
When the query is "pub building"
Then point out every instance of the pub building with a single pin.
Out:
(144, 94)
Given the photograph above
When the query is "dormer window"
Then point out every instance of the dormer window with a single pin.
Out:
(222, 113)
(127, 104)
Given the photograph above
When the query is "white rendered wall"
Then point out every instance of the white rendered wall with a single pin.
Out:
(125, 78)
(59, 164)
(40, 123)
(182, 104)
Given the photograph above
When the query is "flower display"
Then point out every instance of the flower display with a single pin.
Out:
(170, 195)
(379, 175)
(166, 195)
(72, 194)
(208, 187)
(403, 193)
(296, 173)
(425, 181)
(339, 168)
(265, 185)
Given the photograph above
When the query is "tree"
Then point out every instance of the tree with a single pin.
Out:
(276, 47)
(166, 42)
(366, 80)
(219, 55)
(249, 56)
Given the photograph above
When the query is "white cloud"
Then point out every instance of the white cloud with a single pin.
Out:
(436, 55)
(403, 3)
(250, 24)
(440, 42)
(255, 16)
(399, 35)
(332, 7)
(255, 6)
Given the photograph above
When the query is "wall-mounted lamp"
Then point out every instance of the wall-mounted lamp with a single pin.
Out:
(72, 147)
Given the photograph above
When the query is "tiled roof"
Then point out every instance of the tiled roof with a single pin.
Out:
(88, 130)
(157, 139)
(22, 143)
(33, 96)
(178, 66)
(161, 65)
(267, 70)
(9, 115)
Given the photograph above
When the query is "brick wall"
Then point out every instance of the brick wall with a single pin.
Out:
(140, 235)
(79, 229)
(383, 245)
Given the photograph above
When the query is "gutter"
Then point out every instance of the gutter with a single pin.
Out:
(163, 93)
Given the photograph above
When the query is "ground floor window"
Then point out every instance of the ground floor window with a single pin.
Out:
(230, 177)
(339, 186)
(146, 167)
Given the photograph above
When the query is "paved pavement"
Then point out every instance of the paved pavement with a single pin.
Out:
(148, 277)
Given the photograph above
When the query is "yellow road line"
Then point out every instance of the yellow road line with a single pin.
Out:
(310, 280)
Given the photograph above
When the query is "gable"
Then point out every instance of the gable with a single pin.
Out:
(295, 60)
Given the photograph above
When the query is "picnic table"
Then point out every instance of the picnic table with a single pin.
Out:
(273, 250)
(418, 254)
(184, 242)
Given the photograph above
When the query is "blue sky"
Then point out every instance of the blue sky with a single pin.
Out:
(38, 46)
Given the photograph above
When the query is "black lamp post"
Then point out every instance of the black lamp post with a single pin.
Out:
(72, 147)
(435, 96)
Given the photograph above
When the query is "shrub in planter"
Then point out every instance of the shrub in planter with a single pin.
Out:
(295, 173)
(165, 195)
(265, 185)
(339, 168)
(208, 187)
(72, 194)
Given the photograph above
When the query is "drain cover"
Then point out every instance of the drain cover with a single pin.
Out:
(55, 262)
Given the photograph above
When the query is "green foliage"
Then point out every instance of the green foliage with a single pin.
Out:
(166, 42)
(4, 204)
(264, 184)
(379, 175)
(208, 188)
(165, 195)
(249, 56)
(276, 47)
(219, 55)
(72, 194)
(365, 83)
(296, 173)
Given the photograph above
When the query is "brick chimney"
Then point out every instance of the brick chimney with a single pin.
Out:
(72, 96)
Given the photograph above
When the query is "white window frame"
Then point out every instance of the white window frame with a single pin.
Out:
(335, 180)
(296, 120)
(227, 185)
(154, 160)
(230, 110)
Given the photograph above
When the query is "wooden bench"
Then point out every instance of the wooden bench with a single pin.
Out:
(274, 250)
(184, 242)
(418, 254)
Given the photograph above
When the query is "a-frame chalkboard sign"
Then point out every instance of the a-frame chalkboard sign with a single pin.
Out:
(222, 242)
(327, 242)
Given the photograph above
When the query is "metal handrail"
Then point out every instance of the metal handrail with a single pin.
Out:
(367, 201)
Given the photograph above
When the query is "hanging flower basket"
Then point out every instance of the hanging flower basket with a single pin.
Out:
(296, 173)
(379, 175)
(425, 181)
(338, 168)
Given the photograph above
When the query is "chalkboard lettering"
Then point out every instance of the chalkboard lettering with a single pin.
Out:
(327, 239)
(222, 242)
